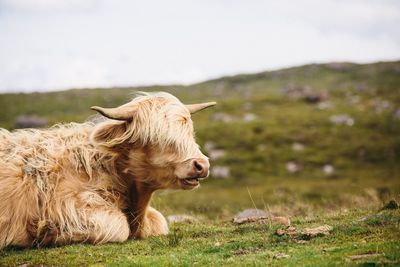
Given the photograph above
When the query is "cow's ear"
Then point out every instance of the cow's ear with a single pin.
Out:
(109, 134)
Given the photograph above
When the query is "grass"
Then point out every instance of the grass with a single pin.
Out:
(223, 243)
(365, 157)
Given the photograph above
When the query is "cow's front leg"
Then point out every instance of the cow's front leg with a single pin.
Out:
(152, 223)
(155, 224)
(94, 226)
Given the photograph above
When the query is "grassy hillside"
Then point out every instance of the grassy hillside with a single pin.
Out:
(317, 143)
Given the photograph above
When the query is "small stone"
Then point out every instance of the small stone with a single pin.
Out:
(280, 232)
(397, 114)
(281, 256)
(290, 231)
(324, 105)
(317, 231)
(297, 147)
(328, 169)
(250, 215)
(215, 154)
(342, 119)
(363, 256)
(220, 116)
(316, 97)
(182, 218)
(292, 167)
(220, 172)
(249, 117)
(380, 105)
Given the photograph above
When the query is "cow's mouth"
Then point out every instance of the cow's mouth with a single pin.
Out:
(190, 182)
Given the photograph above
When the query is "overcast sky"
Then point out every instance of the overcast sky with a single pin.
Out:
(59, 44)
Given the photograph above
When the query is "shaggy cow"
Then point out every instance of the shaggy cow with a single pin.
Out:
(93, 183)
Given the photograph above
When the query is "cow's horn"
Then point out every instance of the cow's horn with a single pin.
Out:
(193, 108)
(120, 113)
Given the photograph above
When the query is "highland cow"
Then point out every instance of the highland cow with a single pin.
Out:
(92, 182)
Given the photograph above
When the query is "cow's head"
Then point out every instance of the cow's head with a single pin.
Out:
(154, 137)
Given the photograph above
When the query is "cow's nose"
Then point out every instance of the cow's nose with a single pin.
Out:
(200, 167)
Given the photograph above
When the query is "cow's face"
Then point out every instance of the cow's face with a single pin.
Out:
(159, 132)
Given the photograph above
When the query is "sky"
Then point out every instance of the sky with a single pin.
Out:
(48, 45)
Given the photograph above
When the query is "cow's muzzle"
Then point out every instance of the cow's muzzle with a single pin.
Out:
(198, 169)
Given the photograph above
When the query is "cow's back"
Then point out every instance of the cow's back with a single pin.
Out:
(39, 180)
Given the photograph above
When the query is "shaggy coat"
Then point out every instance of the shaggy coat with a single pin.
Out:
(94, 182)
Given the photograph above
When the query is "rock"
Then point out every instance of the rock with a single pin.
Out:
(380, 105)
(396, 114)
(363, 256)
(328, 169)
(250, 215)
(314, 98)
(249, 117)
(295, 92)
(292, 167)
(259, 216)
(281, 256)
(342, 119)
(181, 218)
(307, 233)
(220, 172)
(290, 231)
(223, 117)
(215, 154)
(325, 105)
(30, 121)
(317, 231)
(297, 147)
(391, 205)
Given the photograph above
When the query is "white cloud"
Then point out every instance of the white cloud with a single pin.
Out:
(48, 5)
(63, 44)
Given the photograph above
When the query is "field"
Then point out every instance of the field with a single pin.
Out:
(319, 144)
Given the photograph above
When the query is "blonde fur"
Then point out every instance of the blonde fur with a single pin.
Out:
(93, 183)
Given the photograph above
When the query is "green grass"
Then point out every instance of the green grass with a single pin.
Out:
(223, 243)
(366, 158)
